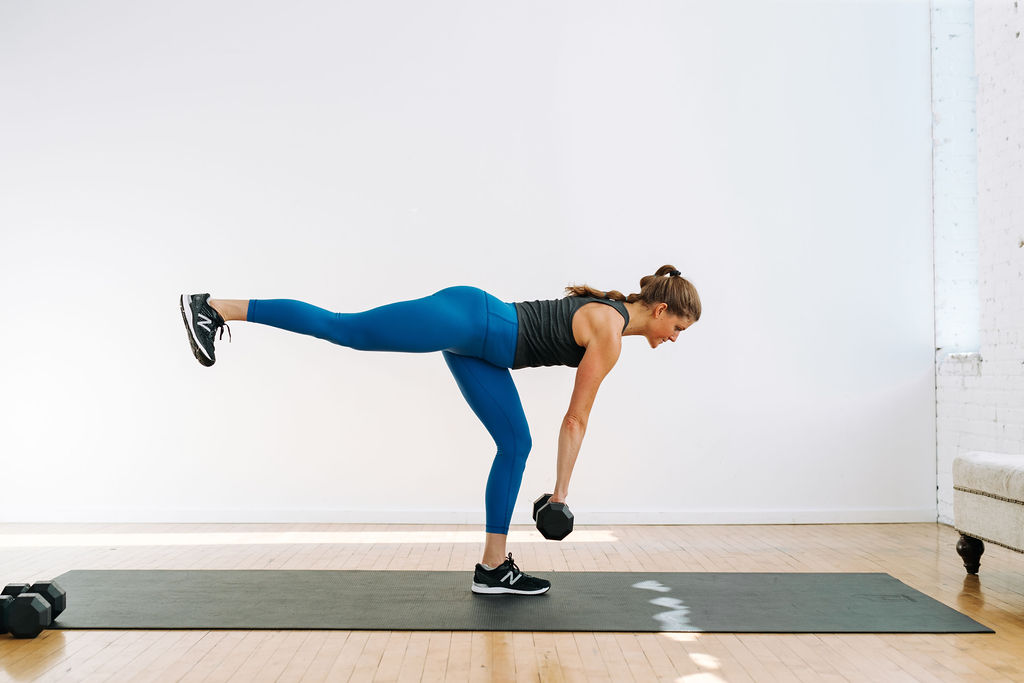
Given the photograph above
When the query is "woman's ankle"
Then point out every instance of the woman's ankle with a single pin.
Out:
(494, 549)
(231, 309)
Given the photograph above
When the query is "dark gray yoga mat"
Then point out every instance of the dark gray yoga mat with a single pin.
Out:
(442, 601)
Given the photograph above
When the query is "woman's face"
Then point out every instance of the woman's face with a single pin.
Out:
(665, 326)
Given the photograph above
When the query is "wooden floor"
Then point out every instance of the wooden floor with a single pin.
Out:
(920, 555)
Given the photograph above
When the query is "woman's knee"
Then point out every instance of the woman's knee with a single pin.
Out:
(518, 447)
(527, 445)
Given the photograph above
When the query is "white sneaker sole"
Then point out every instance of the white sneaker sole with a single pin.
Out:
(484, 589)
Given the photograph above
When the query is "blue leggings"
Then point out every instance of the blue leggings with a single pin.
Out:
(477, 335)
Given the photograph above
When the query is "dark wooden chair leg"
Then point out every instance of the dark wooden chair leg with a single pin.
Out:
(970, 549)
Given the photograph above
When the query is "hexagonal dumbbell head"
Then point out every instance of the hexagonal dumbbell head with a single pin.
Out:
(5, 602)
(28, 615)
(15, 589)
(53, 594)
(554, 521)
(539, 503)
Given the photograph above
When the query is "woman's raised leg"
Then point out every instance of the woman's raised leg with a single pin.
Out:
(453, 318)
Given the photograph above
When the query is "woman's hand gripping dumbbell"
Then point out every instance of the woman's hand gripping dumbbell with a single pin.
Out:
(554, 520)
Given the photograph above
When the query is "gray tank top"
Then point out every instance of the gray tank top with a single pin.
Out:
(545, 331)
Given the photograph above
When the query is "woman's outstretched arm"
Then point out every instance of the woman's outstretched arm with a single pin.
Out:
(601, 355)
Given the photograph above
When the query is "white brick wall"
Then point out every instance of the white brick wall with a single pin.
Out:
(981, 395)
(954, 175)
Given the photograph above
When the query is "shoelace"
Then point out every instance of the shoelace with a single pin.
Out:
(224, 326)
(513, 566)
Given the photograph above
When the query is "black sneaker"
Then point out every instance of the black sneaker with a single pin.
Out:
(507, 578)
(202, 323)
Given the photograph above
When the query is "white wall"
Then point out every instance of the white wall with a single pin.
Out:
(981, 392)
(352, 154)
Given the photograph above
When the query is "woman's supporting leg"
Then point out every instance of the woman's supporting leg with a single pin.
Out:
(493, 397)
(453, 318)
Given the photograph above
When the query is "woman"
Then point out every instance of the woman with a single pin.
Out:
(481, 338)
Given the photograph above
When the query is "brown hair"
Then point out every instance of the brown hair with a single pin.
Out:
(667, 286)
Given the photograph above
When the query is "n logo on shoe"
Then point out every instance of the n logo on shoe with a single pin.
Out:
(204, 322)
(511, 580)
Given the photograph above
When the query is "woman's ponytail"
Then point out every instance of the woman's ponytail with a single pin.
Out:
(667, 286)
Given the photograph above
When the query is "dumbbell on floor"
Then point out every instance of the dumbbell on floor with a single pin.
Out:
(554, 520)
(25, 610)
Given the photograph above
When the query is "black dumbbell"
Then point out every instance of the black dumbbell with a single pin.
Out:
(554, 520)
(27, 610)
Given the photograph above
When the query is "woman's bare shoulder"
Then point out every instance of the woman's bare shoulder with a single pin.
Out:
(596, 322)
